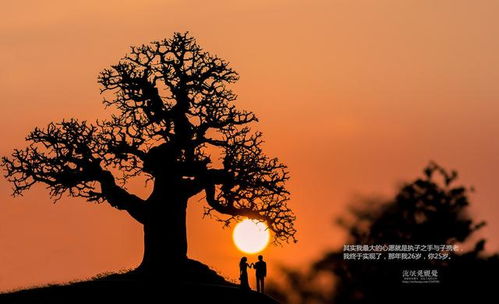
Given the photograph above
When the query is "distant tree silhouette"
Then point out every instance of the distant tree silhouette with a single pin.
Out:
(175, 123)
(429, 210)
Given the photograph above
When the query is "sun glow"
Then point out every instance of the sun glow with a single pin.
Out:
(251, 236)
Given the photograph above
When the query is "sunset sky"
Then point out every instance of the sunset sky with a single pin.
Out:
(355, 96)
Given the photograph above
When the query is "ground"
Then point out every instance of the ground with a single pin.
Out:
(196, 284)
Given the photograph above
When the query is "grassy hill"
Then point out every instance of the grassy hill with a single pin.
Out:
(196, 284)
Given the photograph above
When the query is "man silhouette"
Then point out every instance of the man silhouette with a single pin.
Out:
(261, 273)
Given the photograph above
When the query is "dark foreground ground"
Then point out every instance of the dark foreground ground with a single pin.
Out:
(198, 284)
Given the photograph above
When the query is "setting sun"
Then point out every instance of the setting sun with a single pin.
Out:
(251, 236)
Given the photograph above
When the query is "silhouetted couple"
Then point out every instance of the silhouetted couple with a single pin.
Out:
(261, 273)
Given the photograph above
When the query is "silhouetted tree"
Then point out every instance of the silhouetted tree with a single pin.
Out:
(430, 210)
(176, 124)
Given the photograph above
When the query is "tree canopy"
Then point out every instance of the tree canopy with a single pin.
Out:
(431, 209)
(174, 122)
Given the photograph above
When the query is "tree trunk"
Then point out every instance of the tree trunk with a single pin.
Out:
(165, 235)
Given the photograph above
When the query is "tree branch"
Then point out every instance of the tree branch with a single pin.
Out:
(66, 157)
(251, 185)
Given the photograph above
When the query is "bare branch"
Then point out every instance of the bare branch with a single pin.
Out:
(66, 157)
(174, 111)
(251, 185)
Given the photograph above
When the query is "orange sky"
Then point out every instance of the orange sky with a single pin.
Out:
(355, 96)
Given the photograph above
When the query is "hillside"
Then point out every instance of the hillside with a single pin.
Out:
(197, 284)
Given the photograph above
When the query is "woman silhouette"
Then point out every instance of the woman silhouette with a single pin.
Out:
(243, 273)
